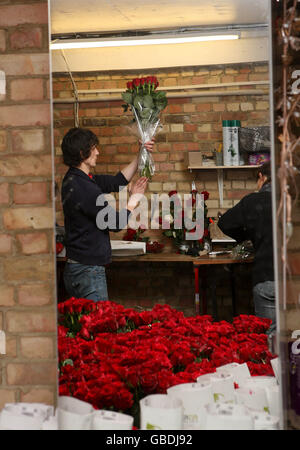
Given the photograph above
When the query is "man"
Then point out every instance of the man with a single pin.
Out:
(88, 247)
(251, 219)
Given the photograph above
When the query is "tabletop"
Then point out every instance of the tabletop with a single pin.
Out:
(178, 257)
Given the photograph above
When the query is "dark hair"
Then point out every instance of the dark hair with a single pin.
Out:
(265, 170)
(76, 146)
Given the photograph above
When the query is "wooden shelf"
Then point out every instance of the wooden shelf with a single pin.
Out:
(222, 167)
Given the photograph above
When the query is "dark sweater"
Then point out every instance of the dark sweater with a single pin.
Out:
(251, 219)
(85, 242)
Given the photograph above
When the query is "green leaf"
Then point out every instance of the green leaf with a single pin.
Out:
(149, 426)
(127, 97)
(67, 362)
(161, 103)
(148, 102)
(145, 113)
(138, 102)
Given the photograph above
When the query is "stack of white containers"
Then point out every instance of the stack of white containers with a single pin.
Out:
(70, 414)
(214, 402)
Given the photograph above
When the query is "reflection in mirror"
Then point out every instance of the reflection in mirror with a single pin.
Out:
(213, 89)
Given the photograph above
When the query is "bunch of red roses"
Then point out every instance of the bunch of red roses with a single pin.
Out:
(146, 103)
(112, 356)
(177, 229)
(146, 84)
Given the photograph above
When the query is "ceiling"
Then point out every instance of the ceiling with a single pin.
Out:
(69, 16)
(113, 16)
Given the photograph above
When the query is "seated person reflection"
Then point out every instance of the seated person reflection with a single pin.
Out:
(251, 219)
(88, 248)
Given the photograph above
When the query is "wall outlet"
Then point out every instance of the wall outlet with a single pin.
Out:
(2, 343)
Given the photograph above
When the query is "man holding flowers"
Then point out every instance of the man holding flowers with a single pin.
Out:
(88, 247)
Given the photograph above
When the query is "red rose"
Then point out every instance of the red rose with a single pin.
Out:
(59, 247)
(205, 195)
(172, 193)
(129, 85)
(136, 82)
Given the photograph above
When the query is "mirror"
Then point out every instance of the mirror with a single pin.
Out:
(206, 83)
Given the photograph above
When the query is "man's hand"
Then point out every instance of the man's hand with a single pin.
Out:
(137, 191)
(149, 145)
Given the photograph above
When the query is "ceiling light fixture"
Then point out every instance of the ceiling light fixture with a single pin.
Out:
(146, 40)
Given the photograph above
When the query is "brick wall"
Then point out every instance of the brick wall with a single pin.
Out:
(27, 287)
(189, 124)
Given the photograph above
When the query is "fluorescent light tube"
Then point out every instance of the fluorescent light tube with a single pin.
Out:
(116, 42)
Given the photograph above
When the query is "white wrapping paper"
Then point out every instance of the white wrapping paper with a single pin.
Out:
(275, 367)
(110, 420)
(253, 398)
(240, 372)
(273, 396)
(74, 414)
(265, 421)
(161, 412)
(226, 416)
(12, 421)
(194, 397)
(25, 416)
(222, 386)
(259, 382)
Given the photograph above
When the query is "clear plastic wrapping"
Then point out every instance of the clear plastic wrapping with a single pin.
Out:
(146, 103)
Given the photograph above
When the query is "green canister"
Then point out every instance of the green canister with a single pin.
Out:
(231, 155)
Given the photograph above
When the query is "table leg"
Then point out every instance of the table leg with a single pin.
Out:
(232, 282)
(213, 287)
(204, 289)
(196, 272)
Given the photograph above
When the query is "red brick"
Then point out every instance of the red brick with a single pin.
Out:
(294, 263)
(5, 243)
(28, 140)
(38, 395)
(12, 15)
(25, 64)
(6, 295)
(238, 194)
(203, 107)
(166, 167)
(28, 218)
(3, 140)
(37, 347)
(30, 165)
(34, 295)
(26, 38)
(173, 109)
(30, 193)
(4, 193)
(21, 115)
(2, 41)
(31, 374)
(27, 89)
(30, 322)
(190, 127)
(33, 243)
